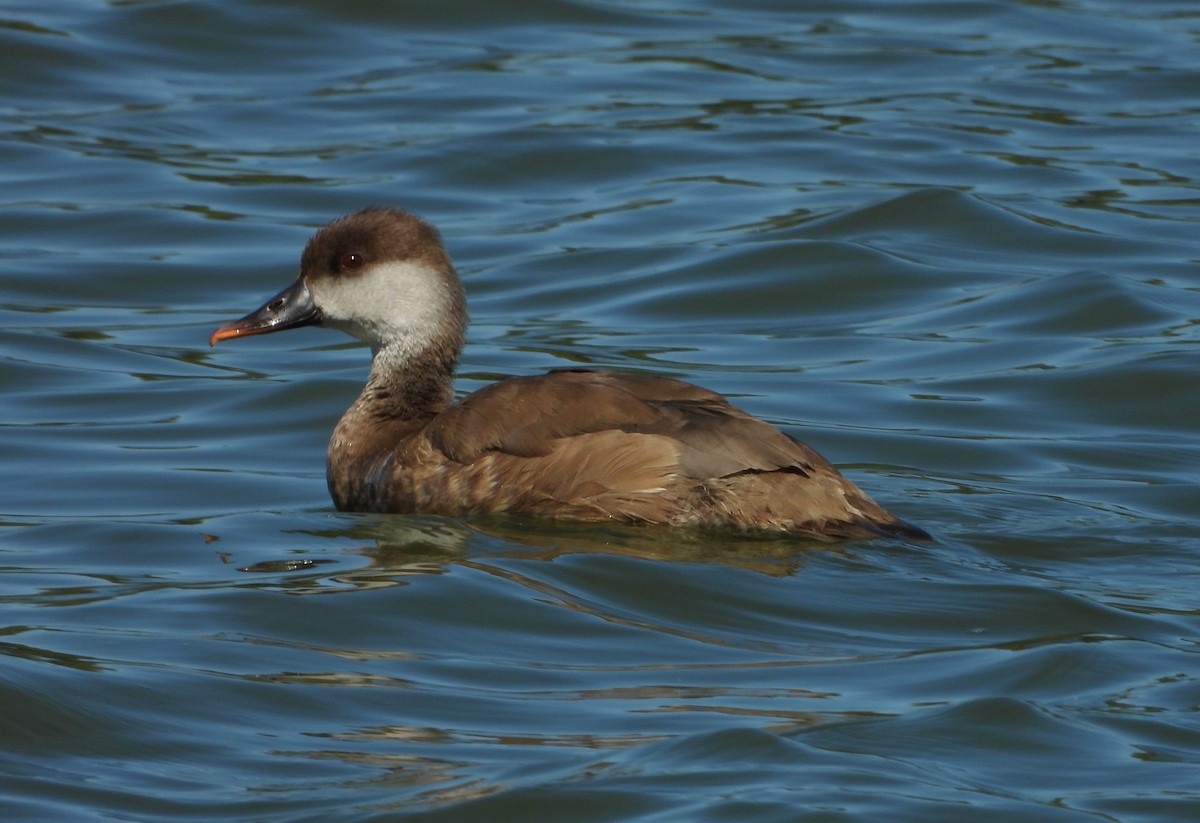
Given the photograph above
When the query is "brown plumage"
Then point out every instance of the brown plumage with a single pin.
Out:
(576, 444)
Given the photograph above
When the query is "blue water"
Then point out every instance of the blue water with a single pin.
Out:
(952, 246)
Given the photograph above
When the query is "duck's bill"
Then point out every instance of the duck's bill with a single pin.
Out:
(291, 308)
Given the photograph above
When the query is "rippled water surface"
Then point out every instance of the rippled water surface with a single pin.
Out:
(950, 245)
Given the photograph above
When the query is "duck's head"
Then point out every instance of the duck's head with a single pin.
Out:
(381, 275)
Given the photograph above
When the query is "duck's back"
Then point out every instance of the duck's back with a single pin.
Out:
(591, 445)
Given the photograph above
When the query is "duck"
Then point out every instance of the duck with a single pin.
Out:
(571, 444)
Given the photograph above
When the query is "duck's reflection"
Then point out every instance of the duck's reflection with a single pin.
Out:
(397, 546)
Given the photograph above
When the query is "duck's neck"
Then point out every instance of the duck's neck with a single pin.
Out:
(404, 387)
(404, 392)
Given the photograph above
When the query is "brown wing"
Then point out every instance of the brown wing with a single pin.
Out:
(599, 446)
(532, 416)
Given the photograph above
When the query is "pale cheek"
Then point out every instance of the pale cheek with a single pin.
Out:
(393, 303)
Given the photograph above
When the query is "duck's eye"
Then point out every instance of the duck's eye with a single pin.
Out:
(352, 261)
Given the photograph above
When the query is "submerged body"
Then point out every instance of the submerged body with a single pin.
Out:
(575, 444)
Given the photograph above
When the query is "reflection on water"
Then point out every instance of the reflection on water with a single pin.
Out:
(396, 547)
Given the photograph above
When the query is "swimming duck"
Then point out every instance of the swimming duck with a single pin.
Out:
(573, 443)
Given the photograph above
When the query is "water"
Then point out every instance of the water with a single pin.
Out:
(951, 246)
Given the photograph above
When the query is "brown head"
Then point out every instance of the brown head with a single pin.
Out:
(380, 275)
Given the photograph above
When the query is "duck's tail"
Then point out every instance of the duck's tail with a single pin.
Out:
(897, 528)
